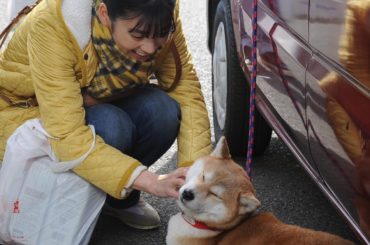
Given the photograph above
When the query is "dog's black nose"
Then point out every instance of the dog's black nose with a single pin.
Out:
(188, 195)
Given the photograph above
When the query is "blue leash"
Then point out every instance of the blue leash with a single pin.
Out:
(252, 99)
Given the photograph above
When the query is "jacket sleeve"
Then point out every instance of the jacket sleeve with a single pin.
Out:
(53, 58)
(194, 138)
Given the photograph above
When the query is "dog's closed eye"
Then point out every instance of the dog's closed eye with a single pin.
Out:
(215, 195)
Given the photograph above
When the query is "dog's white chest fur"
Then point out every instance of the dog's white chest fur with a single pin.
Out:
(180, 231)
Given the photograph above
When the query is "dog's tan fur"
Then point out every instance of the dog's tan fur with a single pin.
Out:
(224, 199)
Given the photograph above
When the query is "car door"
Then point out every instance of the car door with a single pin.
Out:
(338, 101)
(283, 58)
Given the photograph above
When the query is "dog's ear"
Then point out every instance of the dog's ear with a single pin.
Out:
(248, 203)
(222, 149)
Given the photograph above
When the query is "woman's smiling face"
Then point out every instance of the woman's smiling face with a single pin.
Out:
(132, 40)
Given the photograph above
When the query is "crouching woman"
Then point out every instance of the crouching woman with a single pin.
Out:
(74, 63)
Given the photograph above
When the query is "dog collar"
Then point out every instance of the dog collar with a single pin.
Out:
(196, 224)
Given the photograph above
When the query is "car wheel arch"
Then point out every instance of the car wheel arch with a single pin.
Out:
(235, 110)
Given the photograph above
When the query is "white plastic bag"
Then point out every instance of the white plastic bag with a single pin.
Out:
(41, 201)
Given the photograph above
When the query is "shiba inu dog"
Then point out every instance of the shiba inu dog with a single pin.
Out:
(218, 205)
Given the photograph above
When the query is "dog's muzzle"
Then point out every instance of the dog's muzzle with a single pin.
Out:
(187, 195)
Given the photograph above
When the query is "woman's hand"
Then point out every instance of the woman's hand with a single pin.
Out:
(165, 185)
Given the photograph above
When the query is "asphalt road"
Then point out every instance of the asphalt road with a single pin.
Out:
(282, 185)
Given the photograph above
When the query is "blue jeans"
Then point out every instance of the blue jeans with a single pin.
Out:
(143, 125)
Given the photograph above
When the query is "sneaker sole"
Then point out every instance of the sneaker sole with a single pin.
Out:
(140, 227)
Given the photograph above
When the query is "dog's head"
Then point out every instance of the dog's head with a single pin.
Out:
(217, 191)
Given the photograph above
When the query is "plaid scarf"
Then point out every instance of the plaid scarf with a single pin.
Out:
(117, 72)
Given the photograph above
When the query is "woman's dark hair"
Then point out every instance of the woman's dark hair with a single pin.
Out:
(156, 16)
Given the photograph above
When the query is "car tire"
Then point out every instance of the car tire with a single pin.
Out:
(230, 90)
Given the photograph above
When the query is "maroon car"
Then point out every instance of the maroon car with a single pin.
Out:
(313, 89)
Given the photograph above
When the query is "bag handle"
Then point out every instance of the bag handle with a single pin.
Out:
(178, 64)
(56, 166)
(4, 34)
(59, 167)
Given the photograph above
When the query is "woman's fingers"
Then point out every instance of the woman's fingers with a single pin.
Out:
(181, 172)
(174, 194)
(179, 183)
(168, 185)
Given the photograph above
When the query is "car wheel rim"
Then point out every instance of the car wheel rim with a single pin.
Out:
(219, 61)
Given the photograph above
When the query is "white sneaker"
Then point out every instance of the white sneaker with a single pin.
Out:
(140, 216)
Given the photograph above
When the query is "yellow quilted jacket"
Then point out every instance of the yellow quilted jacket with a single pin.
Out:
(51, 56)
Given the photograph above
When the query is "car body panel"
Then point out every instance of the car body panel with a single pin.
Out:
(283, 60)
(338, 103)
